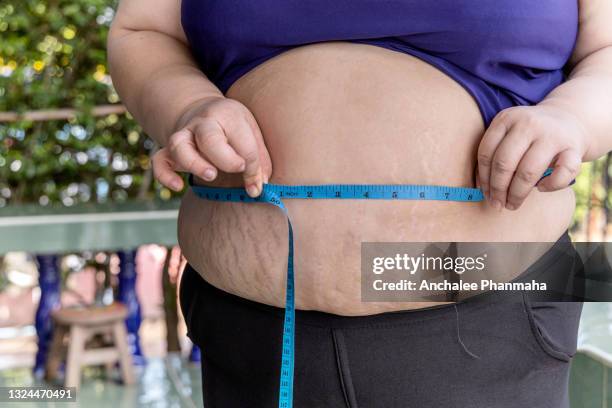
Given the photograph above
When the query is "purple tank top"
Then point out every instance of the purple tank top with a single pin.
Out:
(503, 52)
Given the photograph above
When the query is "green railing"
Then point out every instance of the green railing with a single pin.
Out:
(59, 229)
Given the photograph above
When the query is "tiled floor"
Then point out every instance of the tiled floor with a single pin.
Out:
(591, 378)
(162, 382)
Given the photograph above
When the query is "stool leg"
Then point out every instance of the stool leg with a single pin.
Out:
(125, 357)
(55, 355)
(75, 352)
(109, 366)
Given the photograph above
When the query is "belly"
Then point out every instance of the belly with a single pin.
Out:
(359, 114)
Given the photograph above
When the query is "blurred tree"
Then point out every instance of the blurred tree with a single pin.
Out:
(52, 55)
(593, 198)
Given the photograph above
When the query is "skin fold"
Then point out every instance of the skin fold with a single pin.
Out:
(351, 113)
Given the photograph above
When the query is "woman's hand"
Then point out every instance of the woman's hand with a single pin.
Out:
(217, 134)
(518, 147)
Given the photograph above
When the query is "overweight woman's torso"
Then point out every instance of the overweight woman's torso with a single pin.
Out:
(352, 113)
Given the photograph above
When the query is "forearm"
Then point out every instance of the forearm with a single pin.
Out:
(157, 79)
(587, 95)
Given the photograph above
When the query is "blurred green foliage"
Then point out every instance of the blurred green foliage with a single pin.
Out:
(591, 186)
(52, 55)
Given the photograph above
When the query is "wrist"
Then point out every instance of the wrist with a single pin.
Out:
(576, 127)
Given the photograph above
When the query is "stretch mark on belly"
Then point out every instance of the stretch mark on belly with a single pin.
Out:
(275, 194)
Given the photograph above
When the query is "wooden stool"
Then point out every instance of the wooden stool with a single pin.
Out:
(76, 327)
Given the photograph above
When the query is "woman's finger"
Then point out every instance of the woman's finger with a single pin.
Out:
(505, 162)
(163, 171)
(566, 169)
(264, 155)
(185, 156)
(486, 150)
(530, 169)
(241, 137)
(213, 144)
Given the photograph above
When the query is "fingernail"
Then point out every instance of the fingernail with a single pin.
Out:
(253, 190)
(510, 207)
(209, 174)
(242, 167)
(175, 185)
(496, 204)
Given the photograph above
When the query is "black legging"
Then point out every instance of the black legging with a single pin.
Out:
(491, 351)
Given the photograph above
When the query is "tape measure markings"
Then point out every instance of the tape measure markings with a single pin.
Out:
(275, 193)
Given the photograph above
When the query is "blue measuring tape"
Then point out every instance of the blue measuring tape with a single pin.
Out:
(275, 194)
